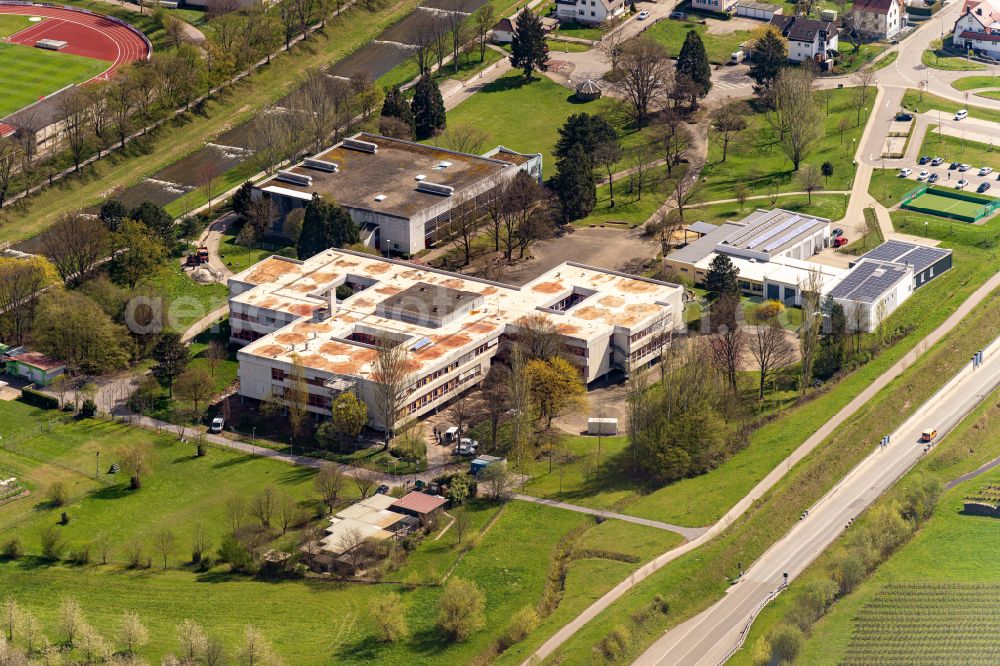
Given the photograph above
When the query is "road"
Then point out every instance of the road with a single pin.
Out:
(706, 640)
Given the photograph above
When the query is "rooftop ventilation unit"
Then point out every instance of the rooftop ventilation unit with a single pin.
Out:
(442, 165)
(380, 197)
(420, 177)
(321, 165)
(434, 188)
(363, 146)
(294, 178)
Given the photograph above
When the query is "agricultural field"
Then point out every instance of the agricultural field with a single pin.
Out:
(27, 74)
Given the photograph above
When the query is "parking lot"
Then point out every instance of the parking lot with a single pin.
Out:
(948, 177)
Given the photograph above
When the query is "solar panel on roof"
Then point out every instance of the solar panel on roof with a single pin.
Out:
(772, 232)
(788, 236)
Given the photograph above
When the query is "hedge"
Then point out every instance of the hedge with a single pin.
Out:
(38, 399)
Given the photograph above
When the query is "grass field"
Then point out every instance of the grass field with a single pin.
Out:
(11, 23)
(719, 47)
(973, 82)
(954, 148)
(27, 73)
(830, 206)
(934, 202)
(920, 103)
(948, 62)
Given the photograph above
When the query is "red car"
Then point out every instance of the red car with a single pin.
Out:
(840, 241)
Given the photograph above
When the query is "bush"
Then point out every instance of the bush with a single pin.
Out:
(80, 555)
(786, 642)
(12, 550)
(614, 645)
(88, 409)
(38, 399)
(523, 623)
(460, 609)
(235, 554)
(390, 618)
(56, 493)
(52, 544)
(135, 557)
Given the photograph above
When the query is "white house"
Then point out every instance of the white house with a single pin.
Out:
(503, 31)
(871, 291)
(808, 39)
(878, 19)
(589, 11)
(978, 27)
(726, 6)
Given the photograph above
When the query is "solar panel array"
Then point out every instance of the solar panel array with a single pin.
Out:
(789, 236)
(868, 281)
(918, 256)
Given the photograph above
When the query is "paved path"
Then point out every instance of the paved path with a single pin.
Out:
(686, 532)
(772, 478)
(993, 464)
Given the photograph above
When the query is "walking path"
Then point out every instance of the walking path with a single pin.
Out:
(688, 533)
(769, 481)
(973, 474)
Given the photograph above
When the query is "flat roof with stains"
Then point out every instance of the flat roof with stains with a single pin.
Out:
(581, 302)
(386, 179)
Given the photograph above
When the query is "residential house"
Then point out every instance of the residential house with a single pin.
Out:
(503, 31)
(420, 505)
(978, 27)
(35, 367)
(594, 12)
(725, 6)
(808, 39)
(877, 19)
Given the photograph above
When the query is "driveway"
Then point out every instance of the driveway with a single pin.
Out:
(603, 247)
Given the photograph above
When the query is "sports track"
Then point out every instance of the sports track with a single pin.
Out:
(89, 35)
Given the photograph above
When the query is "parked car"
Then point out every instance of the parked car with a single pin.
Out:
(985, 171)
(954, 165)
(924, 160)
(923, 175)
(983, 187)
(904, 118)
(840, 241)
(962, 184)
(933, 178)
(903, 173)
(382, 490)
(217, 424)
(466, 447)
(678, 16)
(964, 167)
(937, 161)
(962, 114)
(643, 15)
(837, 233)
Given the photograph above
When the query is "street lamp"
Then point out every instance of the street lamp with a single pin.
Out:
(925, 228)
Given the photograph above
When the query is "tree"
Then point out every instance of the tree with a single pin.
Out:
(465, 138)
(722, 278)
(686, 187)
(427, 107)
(727, 123)
(137, 252)
(644, 70)
(365, 479)
(556, 387)
(132, 633)
(460, 609)
(330, 484)
(768, 347)
(242, 199)
(496, 400)
(71, 620)
(809, 331)
(458, 31)
(71, 327)
(192, 641)
(770, 55)
(729, 343)
(263, 504)
(786, 643)
(483, 19)
(608, 155)
(256, 650)
(325, 225)
(796, 114)
(421, 40)
(113, 212)
(21, 283)
(463, 226)
(672, 139)
(171, 355)
(612, 45)
(195, 385)
(135, 459)
(741, 191)
(575, 185)
(12, 614)
(495, 480)
(827, 170)
(529, 50)
(832, 346)
(863, 79)
(349, 415)
(391, 375)
(395, 106)
(810, 180)
(74, 108)
(692, 62)
(389, 616)
(157, 219)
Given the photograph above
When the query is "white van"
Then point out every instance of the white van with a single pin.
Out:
(736, 58)
(961, 114)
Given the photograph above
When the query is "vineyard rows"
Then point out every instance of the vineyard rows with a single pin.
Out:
(928, 624)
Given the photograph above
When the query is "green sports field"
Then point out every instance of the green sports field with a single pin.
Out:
(11, 23)
(27, 73)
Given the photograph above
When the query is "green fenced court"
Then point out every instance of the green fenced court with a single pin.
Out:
(27, 74)
(950, 203)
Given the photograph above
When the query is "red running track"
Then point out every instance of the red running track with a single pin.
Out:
(89, 35)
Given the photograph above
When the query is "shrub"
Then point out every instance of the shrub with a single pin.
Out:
(614, 645)
(660, 604)
(80, 555)
(849, 571)
(235, 554)
(389, 616)
(13, 549)
(786, 642)
(134, 556)
(56, 493)
(52, 544)
(812, 602)
(460, 609)
(523, 623)
(88, 409)
(39, 399)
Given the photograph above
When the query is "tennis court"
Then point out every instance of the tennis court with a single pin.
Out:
(954, 204)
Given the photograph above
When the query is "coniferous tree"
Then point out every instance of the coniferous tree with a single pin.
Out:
(427, 108)
(396, 106)
(770, 54)
(585, 131)
(112, 213)
(325, 225)
(693, 62)
(242, 199)
(528, 48)
(575, 185)
(722, 278)
(171, 356)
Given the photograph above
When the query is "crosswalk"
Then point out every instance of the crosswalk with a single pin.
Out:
(732, 83)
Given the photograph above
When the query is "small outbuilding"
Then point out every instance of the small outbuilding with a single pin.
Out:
(602, 426)
(35, 367)
(482, 462)
(588, 91)
(420, 505)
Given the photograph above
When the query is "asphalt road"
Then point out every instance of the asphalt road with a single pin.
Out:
(707, 639)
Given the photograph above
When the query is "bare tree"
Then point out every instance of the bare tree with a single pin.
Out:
(464, 138)
(812, 318)
(165, 542)
(665, 227)
(463, 226)
(728, 122)
(672, 139)
(612, 46)
(421, 40)
(857, 319)
(74, 109)
(810, 180)
(741, 191)
(483, 20)
(439, 29)
(863, 80)
(365, 479)
(215, 354)
(391, 376)
(769, 348)
(331, 485)
(608, 155)
(538, 337)
(795, 115)
(458, 31)
(353, 541)
(121, 103)
(644, 69)
(236, 513)
(263, 504)
(496, 400)
(638, 413)
(685, 189)
(640, 169)
(75, 245)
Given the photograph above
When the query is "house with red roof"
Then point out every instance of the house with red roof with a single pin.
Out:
(878, 19)
(978, 28)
